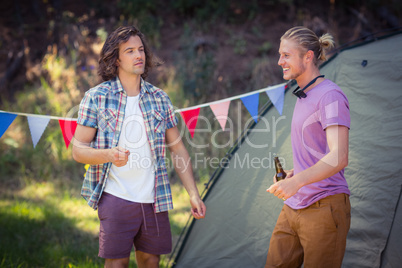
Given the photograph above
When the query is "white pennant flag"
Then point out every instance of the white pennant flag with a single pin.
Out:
(37, 126)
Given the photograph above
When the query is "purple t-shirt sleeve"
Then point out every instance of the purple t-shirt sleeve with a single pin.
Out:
(334, 110)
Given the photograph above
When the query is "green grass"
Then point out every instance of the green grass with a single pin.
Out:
(43, 226)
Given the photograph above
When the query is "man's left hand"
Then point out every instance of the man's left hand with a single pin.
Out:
(198, 208)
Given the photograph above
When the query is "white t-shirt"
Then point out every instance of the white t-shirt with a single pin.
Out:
(136, 180)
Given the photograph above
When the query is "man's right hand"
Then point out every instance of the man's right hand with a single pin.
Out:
(289, 174)
(119, 156)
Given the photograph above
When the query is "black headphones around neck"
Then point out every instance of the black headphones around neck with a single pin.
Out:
(300, 92)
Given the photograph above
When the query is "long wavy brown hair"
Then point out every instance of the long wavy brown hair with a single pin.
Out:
(110, 52)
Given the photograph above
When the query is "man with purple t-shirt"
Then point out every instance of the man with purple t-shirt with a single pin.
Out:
(315, 219)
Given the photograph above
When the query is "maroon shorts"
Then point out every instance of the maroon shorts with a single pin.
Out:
(124, 223)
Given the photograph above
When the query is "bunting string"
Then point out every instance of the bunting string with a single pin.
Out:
(39, 115)
(38, 123)
(233, 98)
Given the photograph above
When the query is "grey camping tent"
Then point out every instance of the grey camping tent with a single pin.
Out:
(241, 215)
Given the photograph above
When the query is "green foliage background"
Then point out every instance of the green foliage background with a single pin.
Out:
(43, 220)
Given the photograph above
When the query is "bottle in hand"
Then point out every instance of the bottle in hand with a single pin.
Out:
(280, 174)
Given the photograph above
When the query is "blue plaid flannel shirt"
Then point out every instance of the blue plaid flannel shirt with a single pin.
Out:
(103, 108)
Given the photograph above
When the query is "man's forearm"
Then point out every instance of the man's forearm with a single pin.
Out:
(181, 161)
(85, 154)
(331, 163)
(183, 168)
(328, 166)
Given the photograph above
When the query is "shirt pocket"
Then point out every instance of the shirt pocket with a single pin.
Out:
(159, 123)
(107, 120)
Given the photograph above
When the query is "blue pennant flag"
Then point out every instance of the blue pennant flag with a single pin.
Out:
(5, 121)
(277, 97)
(251, 102)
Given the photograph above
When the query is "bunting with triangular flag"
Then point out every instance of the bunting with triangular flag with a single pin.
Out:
(38, 123)
(221, 111)
(190, 117)
(251, 102)
(277, 96)
(37, 126)
(68, 129)
(6, 119)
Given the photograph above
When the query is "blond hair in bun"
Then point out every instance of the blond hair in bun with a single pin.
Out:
(326, 43)
(308, 40)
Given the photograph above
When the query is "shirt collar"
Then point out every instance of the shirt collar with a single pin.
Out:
(145, 87)
(116, 85)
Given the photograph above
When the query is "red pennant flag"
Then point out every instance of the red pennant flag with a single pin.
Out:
(68, 129)
(190, 118)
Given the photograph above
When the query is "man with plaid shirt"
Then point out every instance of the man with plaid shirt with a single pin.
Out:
(124, 125)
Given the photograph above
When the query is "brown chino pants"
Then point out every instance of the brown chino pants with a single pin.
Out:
(315, 236)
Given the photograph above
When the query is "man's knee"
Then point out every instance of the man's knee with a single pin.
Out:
(146, 259)
(117, 263)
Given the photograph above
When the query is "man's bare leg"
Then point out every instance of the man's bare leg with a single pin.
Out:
(146, 260)
(117, 263)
